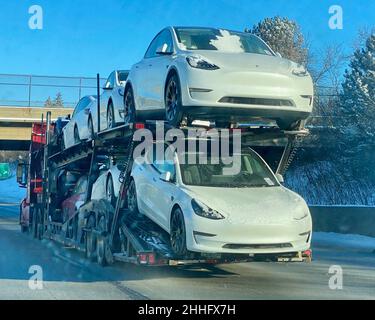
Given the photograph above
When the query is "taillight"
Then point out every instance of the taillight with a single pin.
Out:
(139, 126)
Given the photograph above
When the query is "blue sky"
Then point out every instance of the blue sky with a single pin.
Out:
(83, 37)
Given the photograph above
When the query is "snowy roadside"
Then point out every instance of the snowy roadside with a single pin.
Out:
(10, 192)
(344, 241)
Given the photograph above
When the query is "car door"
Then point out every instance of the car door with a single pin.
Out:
(145, 86)
(68, 130)
(158, 69)
(161, 194)
(81, 118)
(118, 95)
(104, 99)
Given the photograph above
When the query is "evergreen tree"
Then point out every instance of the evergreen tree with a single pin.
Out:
(48, 103)
(58, 102)
(358, 94)
(283, 36)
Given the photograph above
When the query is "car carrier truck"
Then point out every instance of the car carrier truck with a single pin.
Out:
(104, 232)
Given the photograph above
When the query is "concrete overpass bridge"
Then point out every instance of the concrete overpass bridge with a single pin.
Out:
(15, 124)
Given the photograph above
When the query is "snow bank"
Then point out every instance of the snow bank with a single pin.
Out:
(347, 241)
(10, 192)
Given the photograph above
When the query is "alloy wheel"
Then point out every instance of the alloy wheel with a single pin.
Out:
(178, 234)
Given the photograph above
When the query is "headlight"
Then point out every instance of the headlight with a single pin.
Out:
(300, 71)
(202, 210)
(201, 63)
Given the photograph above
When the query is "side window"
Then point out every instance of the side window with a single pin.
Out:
(163, 165)
(151, 51)
(110, 81)
(82, 104)
(81, 186)
(163, 38)
(77, 108)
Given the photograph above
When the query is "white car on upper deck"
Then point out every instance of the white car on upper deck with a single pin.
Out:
(217, 75)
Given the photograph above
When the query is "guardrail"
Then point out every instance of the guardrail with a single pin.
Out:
(344, 219)
(17, 90)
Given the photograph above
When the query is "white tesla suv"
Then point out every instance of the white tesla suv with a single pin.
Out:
(82, 124)
(112, 100)
(205, 210)
(217, 75)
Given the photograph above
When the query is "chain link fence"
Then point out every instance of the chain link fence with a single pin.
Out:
(18, 90)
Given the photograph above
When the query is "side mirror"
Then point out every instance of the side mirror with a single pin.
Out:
(163, 50)
(68, 117)
(280, 178)
(22, 171)
(107, 88)
(166, 176)
(103, 167)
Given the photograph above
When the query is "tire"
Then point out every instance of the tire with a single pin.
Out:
(132, 198)
(103, 252)
(222, 125)
(173, 101)
(129, 106)
(76, 135)
(36, 230)
(90, 125)
(178, 234)
(111, 121)
(90, 240)
(110, 191)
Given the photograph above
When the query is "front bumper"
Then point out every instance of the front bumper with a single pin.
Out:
(225, 237)
(203, 90)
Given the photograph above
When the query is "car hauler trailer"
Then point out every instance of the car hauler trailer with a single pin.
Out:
(110, 234)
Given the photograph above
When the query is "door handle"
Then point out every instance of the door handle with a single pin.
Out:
(150, 65)
(154, 179)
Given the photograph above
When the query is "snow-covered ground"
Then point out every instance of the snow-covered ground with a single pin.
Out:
(344, 241)
(323, 183)
(10, 192)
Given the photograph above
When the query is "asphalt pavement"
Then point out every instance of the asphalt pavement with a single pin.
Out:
(67, 274)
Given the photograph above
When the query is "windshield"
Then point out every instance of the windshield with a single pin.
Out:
(220, 40)
(253, 173)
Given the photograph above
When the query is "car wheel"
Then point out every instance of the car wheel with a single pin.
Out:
(111, 123)
(129, 105)
(173, 101)
(178, 233)
(132, 198)
(90, 239)
(91, 129)
(103, 251)
(110, 191)
(76, 135)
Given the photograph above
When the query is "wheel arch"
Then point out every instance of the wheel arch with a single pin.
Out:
(174, 208)
(172, 71)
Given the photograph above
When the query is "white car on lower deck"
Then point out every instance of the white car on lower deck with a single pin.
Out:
(216, 74)
(205, 210)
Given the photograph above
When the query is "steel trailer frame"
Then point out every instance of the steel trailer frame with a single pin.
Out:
(123, 240)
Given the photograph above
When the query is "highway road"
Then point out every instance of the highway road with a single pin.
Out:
(67, 275)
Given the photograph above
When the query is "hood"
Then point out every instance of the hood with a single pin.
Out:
(243, 205)
(247, 61)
